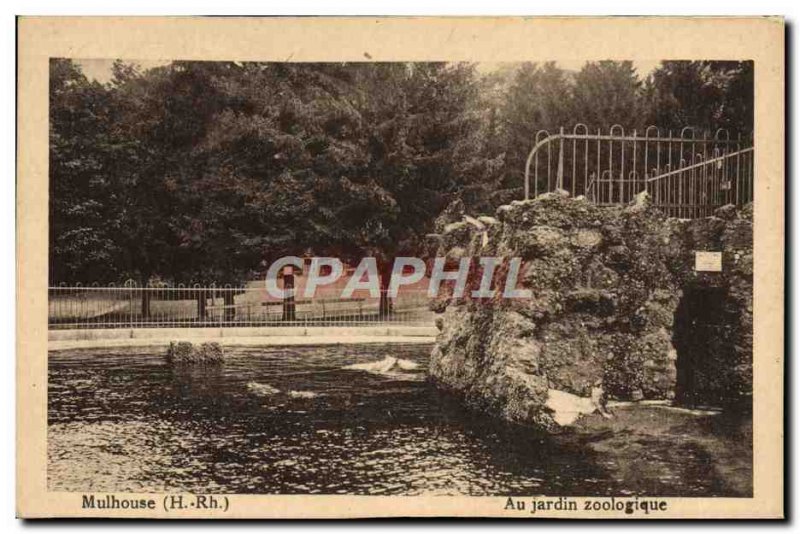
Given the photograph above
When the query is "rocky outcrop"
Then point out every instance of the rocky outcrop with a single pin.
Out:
(608, 286)
(186, 353)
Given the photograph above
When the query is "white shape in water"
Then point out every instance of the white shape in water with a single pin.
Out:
(567, 407)
(406, 365)
(302, 394)
(262, 390)
(380, 367)
(384, 366)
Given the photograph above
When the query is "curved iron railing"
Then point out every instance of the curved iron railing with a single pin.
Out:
(611, 168)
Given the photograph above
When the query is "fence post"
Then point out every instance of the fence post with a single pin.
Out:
(128, 285)
(560, 177)
(527, 182)
(222, 314)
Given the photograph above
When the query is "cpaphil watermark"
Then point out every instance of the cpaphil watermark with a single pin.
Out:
(481, 277)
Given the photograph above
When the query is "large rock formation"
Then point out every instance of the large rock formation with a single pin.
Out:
(616, 302)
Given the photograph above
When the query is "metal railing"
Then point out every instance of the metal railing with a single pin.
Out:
(611, 168)
(698, 189)
(155, 306)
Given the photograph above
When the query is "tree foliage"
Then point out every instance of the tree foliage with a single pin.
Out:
(704, 94)
(83, 220)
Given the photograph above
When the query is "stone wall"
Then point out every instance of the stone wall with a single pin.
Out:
(609, 311)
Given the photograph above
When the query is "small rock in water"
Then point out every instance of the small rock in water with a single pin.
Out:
(185, 353)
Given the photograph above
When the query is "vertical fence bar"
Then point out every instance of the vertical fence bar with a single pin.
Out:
(574, 162)
(738, 167)
(634, 189)
(560, 176)
(549, 167)
(585, 160)
(610, 167)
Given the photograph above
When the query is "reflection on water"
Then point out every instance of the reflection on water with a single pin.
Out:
(293, 420)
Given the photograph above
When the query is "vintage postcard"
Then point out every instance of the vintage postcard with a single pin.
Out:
(400, 267)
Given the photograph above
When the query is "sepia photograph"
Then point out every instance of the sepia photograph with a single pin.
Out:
(623, 188)
(530, 281)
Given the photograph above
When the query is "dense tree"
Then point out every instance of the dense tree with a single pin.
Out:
(423, 151)
(84, 226)
(249, 188)
(704, 94)
(539, 98)
(607, 93)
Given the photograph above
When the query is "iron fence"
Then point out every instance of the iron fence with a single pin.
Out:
(687, 175)
(155, 306)
(696, 190)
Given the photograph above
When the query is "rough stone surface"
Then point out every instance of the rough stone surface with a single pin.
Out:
(186, 353)
(613, 306)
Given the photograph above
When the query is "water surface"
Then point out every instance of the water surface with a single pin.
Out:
(292, 420)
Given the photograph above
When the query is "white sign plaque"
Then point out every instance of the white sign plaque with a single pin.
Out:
(707, 261)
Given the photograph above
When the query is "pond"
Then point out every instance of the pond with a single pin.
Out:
(303, 420)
